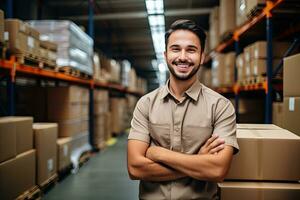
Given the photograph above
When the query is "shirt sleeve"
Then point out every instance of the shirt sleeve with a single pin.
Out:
(225, 123)
(140, 122)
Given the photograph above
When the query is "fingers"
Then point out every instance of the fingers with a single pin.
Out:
(217, 149)
(210, 140)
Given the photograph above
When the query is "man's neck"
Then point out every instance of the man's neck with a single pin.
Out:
(178, 87)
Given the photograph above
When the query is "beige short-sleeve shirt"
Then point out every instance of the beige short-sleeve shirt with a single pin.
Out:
(182, 126)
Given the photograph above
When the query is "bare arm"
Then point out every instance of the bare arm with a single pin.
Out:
(141, 168)
(203, 167)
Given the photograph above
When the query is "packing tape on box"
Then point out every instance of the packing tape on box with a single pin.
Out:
(65, 149)
(292, 104)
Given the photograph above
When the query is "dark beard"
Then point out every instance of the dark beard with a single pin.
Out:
(183, 78)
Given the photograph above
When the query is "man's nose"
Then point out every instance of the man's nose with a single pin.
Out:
(183, 55)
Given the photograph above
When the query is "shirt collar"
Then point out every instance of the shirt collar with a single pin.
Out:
(193, 92)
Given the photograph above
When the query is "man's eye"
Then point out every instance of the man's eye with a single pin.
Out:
(175, 49)
(191, 50)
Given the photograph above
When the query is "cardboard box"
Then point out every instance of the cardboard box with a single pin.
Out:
(63, 111)
(63, 153)
(16, 33)
(69, 128)
(8, 139)
(259, 49)
(218, 70)
(61, 95)
(258, 191)
(214, 28)
(229, 68)
(227, 16)
(258, 126)
(1, 26)
(241, 12)
(45, 137)
(277, 113)
(118, 112)
(108, 126)
(252, 4)
(24, 135)
(291, 114)
(17, 175)
(258, 67)
(291, 73)
(265, 155)
(79, 141)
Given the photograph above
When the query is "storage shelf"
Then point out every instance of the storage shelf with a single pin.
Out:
(15, 68)
(239, 31)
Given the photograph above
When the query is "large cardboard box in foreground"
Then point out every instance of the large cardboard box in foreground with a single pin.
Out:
(291, 114)
(17, 175)
(259, 191)
(270, 155)
(63, 153)
(291, 80)
(8, 139)
(45, 136)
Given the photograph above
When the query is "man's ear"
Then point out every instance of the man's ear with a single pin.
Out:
(202, 58)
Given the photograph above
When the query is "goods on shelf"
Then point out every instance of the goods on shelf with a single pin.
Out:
(227, 17)
(48, 51)
(141, 85)
(118, 110)
(205, 76)
(45, 136)
(68, 106)
(223, 70)
(74, 47)
(63, 153)
(125, 70)
(110, 69)
(132, 80)
(213, 38)
(1, 26)
(291, 92)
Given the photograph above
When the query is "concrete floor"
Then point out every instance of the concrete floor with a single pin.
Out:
(104, 176)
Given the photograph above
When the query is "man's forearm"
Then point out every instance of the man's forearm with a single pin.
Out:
(202, 167)
(148, 170)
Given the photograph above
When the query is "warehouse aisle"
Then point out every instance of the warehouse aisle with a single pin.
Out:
(103, 177)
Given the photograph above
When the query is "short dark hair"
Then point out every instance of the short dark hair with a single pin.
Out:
(184, 24)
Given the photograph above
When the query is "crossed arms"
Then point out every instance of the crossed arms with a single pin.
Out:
(159, 164)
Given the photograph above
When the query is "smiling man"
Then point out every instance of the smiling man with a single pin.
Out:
(183, 135)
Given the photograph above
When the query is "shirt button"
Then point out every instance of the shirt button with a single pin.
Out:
(177, 129)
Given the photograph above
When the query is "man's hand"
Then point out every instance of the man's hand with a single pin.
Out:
(213, 145)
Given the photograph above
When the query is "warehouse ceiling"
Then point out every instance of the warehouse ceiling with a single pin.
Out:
(121, 26)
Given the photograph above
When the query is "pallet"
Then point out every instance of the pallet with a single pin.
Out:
(84, 158)
(49, 184)
(62, 174)
(74, 72)
(32, 193)
(226, 36)
(35, 61)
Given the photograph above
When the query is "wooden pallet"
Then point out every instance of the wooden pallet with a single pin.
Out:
(48, 184)
(255, 11)
(32, 193)
(62, 174)
(226, 36)
(74, 72)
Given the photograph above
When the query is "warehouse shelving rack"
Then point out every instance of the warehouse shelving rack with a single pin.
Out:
(267, 86)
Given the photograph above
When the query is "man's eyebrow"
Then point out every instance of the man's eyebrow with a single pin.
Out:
(189, 46)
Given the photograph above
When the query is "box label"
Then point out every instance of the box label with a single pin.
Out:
(30, 42)
(65, 150)
(6, 36)
(292, 104)
(50, 164)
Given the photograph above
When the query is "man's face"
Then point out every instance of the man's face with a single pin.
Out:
(183, 54)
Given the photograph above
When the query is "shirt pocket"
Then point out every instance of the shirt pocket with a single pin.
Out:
(193, 137)
(160, 135)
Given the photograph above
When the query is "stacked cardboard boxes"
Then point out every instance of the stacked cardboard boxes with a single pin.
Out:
(102, 129)
(118, 109)
(227, 16)
(291, 93)
(277, 114)
(17, 156)
(253, 63)
(21, 37)
(48, 51)
(205, 77)
(63, 153)
(223, 70)
(45, 136)
(214, 28)
(1, 26)
(255, 166)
